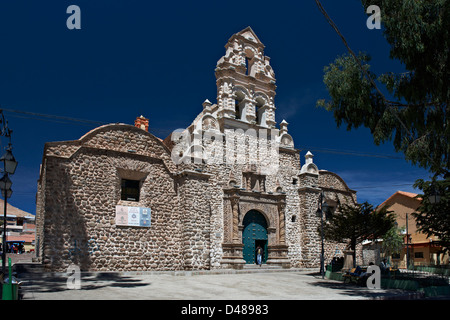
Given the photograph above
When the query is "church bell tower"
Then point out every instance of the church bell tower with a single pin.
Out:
(245, 83)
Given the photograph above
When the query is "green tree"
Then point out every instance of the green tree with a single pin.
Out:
(434, 218)
(411, 108)
(393, 241)
(416, 117)
(354, 224)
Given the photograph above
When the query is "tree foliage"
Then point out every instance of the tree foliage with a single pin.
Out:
(354, 224)
(415, 116)
(410, 108)
(434, 218)
(393, 241)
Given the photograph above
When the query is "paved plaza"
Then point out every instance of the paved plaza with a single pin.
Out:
(225, 285)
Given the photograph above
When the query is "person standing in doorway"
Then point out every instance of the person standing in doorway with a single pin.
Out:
(259, 255)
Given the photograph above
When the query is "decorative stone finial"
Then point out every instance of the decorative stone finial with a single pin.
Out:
(309, 166)
(207, 105)
(309, 157)
(283, 127)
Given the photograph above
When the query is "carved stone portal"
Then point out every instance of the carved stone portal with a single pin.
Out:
(237, 203)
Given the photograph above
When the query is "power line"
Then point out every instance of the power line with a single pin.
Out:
(353, 153)
(47, 120)
(385, 186)
(87, 122)
(55, 117)
(390, 105)
(64, 119)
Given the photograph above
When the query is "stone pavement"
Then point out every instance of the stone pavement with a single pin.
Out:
(298, 284)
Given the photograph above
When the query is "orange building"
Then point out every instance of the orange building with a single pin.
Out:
(422, 250)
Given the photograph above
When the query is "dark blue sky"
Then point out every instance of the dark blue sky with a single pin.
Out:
(158, 59)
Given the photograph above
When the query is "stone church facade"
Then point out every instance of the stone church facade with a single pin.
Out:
(121, 199)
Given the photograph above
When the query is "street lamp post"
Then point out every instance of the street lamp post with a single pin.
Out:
(323, 208)
(5, 186)
(407, 243)
(9, 167)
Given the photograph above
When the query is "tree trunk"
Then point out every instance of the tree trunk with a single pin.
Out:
(353, 248)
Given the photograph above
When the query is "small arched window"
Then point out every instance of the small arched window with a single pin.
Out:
(239, 105)
(249, 55)
(259, 110)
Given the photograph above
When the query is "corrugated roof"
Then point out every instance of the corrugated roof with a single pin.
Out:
(11, 210)
(23, 237)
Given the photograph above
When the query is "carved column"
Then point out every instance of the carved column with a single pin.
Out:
(232, 246)
(282, 227)
(278, 252)
(234, 199)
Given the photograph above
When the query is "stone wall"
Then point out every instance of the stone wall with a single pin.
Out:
(196, 213)
(191, 219)
(335, 192)
(78, 195)
(371, 252)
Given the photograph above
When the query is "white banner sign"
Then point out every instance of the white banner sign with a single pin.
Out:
(133, 216)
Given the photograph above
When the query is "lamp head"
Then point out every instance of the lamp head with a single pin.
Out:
(9, 161)
(5, 183)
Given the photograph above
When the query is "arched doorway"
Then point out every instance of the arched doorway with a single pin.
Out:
(254, 234)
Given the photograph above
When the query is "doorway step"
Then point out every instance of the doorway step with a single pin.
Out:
(264, 266)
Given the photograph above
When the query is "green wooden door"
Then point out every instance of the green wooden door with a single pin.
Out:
(254, 233)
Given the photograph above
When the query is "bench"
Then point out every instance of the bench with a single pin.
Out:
(354, 275)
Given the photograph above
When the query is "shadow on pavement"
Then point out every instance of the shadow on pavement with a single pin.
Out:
(48, 283)
(355, 290)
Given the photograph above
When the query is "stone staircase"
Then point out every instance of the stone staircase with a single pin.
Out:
(262, 267)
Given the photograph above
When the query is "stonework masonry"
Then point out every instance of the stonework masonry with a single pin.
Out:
(199, 190)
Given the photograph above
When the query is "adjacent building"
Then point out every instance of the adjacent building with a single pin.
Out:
(205, 197)
(421, 249)
(20, 228)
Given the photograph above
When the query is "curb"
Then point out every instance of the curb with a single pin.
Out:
(173, 273)
(405, 296)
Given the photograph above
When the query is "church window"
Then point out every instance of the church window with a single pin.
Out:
(130, 190)
(259, 110)
(247, 71)
(249, 61)
(239, 105)
(237, 109)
